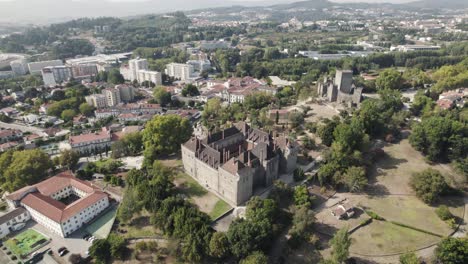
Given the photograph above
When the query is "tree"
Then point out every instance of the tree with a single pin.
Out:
(163, 136)
(76, 259)
(303, 220)
(247, 236)
(428, 185)
(69, 159)
(86, 109)
(452, 250)
(67, 115)
(256, 257)
(340, 244)
(219, 245)
(325, 131)
(409, 258)
(115, 77)
(302, 196)
(117, 246)
(355, 179)
(190, 90)
(162, 96)
(444, 213)
(26, 167)
(389, 79)
(100, 250)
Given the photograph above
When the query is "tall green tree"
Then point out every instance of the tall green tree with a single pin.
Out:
(389, 79)
(69, 159)
(340, 244)
(452, 250)
(115, 77)
(162, 96)
(428, 185)
(163, 135)
(26, 167)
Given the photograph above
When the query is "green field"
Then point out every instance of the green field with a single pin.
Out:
(220, 208)
(26, 242)
(380, 238)
(102, 226)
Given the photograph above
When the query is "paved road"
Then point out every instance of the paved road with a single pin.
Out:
(23, 128)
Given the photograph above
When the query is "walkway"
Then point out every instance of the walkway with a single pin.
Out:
(23, 128)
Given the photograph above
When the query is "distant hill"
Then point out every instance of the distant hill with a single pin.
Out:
(439, 4)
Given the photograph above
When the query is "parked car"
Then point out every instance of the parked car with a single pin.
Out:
(86, 237)
(63, 252)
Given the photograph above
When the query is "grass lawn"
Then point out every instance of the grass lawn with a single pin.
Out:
(380, 238)
(140, 226)
(220, 208)
(411, 211)
(188, 186)
(101, 227)
(25, 242)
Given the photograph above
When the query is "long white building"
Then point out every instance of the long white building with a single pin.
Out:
(180, 71)
(62, 203)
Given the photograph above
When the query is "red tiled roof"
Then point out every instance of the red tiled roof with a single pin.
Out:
(38, 197)
(90, 137)
(9, 132)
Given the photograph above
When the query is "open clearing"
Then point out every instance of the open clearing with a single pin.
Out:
(381, 238)
(392, 174)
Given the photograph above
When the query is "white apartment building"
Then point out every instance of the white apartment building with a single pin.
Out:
(180, 71)
(406, 48)
(138, 70)
(200, 65)
(44, 202)
(150, 76)
(36, 67)
(135, 66)
(97, 100)
(112, 96)
(55, 75)
(19, 67)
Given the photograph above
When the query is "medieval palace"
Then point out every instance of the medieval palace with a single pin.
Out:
(234, 162)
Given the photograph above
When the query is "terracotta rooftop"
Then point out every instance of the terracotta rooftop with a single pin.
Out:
(90, 137)
(9, 132)
(12, 214)
(38, 197)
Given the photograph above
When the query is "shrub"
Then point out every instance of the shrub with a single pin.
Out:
(444, 213)
(298, 175)
(374, 216)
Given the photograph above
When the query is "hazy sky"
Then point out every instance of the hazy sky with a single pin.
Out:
(45, 11)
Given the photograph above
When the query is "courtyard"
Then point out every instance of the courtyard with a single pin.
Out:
(26, 242)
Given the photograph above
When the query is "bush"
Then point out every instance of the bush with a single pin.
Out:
(299, 174)
(444, 213)
(374, 216)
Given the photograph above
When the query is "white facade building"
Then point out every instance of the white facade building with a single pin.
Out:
(150, 76)
(180, 71)
(135, 66)
(56, 75)
(97, 100)
(44, 202)
(91, 142)
(19, 67)
(112, 96)
(9, 220)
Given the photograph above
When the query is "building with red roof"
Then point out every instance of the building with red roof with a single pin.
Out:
(62, 203)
